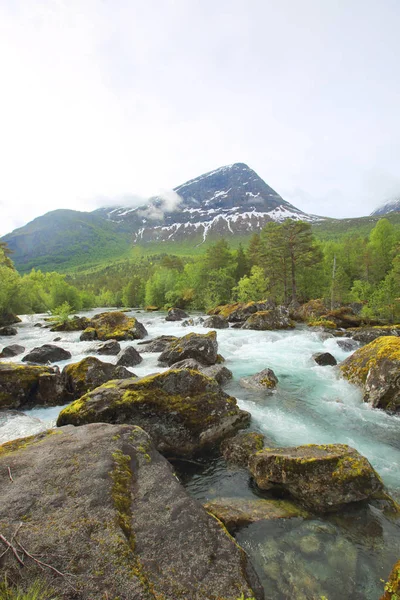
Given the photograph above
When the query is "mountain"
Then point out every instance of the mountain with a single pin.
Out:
(232, 200)
(388, 207)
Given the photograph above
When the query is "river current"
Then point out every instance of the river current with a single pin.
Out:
(337, 557)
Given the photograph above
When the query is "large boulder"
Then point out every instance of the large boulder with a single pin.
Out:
(240, 311)
(108, 348)
(276, 318)
(240, 512)
(216, 322)
(158, 344)
(100, 505)
(12, 350)
(264, 381)
(376, 368)
(365, 335)
(176, 314)
(31, 385)
(117, 326)
(239, 448)
(89, 335)
(322, 478)
(74, 324)
(201, 347)
(86, 375)
(217, 372)
(48, 353)
(184, 411)
(8, 319)
(392, 587)
(129, 357)
(8, 331)
(324, 359)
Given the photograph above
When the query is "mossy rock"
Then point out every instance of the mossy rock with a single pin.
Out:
(276, 318)
(238, 449)
(322, 477)
(117, 325)
(264, 381)
(89, 373)
(184, 411)
(376, 368)
(31, 385)
(201, 347)
(74, 324)
(392, 587)
(240, 311)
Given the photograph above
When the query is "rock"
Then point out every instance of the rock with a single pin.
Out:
(89, 373)
(310, 311)
(365, 335)
(392, 587)
(216, 322)
(129, 357)
(28, 385)
(8, 319)
(109, 348)
(89, 335)
(57, 339)
(152, 308)
(48, 353)
(184, 412)
(218, 372)
(176, 314)
(239, 512)
(74, 324)
(117, 326)
(240, 311)
(201, 347)
(347, 345)
(376, 368)
(322, 478)
(8, 330)
(264, 381)
(238, 449)
(13, 350)
(38, 325)
(277, 318)
(191, 321)
(324, 359)
(158, 344)
(103, 506)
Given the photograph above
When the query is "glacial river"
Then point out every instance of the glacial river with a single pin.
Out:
(338, 557)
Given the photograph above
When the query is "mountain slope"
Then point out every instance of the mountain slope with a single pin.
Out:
(388, 207)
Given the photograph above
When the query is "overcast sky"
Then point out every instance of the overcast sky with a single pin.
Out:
(108, 99)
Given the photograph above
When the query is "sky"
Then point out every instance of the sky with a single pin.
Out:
(112, 101)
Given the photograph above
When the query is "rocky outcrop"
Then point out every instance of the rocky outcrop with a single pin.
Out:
(376, 368)
(264, 381)
(158, 344)
(239, 512)
(29, 385)
(176, 314)
(109, 348)
(366, 335)
(240, 311)
(322, 478)
(48, 353)
(8, 331)
(86, 375)
(10, 351)
(324, 359)
(184, 412)
(392, 587)
(201, 347)
(218, 372)
(129, 357)
(113, 326)
(74, 324)
(276, 318)
(238, 449)
(216, 322)
(114, 520)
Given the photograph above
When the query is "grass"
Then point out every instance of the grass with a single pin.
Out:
(36, 591)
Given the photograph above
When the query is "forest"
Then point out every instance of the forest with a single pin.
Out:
(285, 262)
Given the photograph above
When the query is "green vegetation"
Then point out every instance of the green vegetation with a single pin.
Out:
(36, 591)
(286, 263)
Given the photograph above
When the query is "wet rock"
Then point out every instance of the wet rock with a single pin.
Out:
(8, 319)
(74, 324)
(366, 335)
(240, 311)
(48, 353)
(89, 373)
(129, 357)
(216, 322)
(348, 345)
(192, 321)
(12, 350)
(238, 449)
(176, 314)
(324, 359)
(158, 344)
(122, 519)
(277, 318)
(264, 381)
(322, 478)
(184, 412)
(218, 372)
(376, 369)
(57, 339)
(8, 330)
(109, 348)
(239, 512)
(392, 587)
(28, 385)
(89, 335)
(117, 326)
(38, 325)
(201, 347)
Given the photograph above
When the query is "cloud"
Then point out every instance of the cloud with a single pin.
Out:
(154, 207)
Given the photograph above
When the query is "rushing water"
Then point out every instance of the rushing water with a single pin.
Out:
(339, 556)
